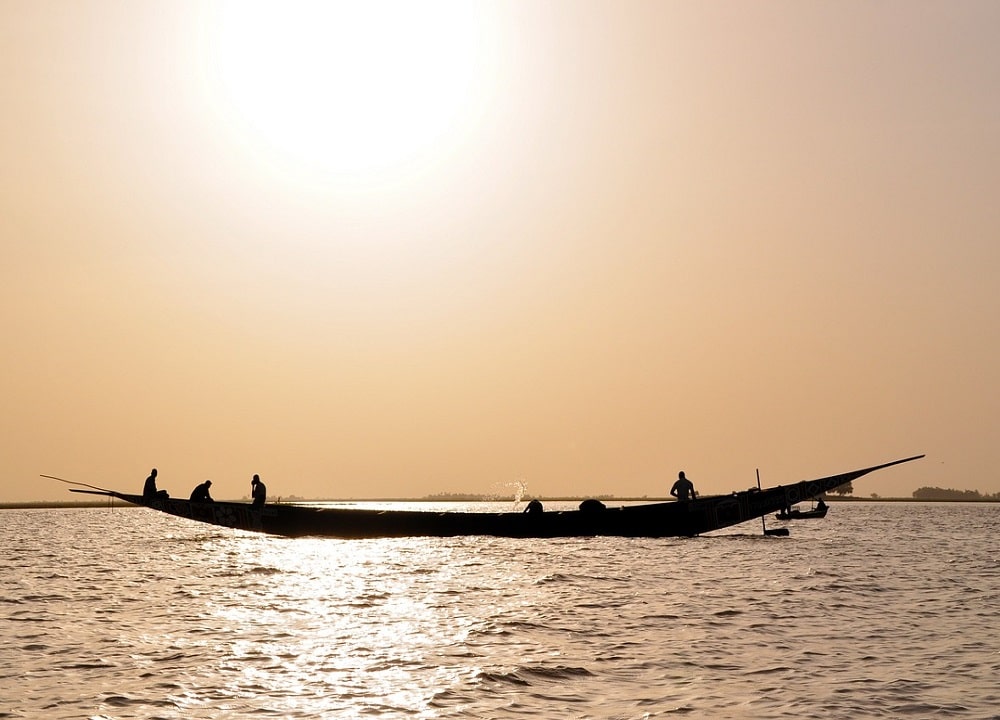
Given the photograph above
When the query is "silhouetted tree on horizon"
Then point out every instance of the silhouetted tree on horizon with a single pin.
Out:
(845, 489)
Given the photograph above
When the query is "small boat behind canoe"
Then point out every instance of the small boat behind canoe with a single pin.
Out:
(796, 514)
(664, 519)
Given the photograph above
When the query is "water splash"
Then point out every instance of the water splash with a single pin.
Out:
(521, 491)
(516, 488)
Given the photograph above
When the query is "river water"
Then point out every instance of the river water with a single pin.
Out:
(880, 610)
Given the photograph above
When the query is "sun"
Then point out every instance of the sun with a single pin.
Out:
(348, 91)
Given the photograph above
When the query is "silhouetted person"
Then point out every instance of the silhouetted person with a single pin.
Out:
(683, 489)
(258, 491)
(149, 491)
(535, 506)
(821, 505)
(200, 493)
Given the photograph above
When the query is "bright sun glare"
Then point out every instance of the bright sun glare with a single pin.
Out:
(348, 91)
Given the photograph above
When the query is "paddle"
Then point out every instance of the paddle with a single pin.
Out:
(776, 531)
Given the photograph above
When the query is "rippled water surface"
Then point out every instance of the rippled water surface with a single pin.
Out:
(880, 610)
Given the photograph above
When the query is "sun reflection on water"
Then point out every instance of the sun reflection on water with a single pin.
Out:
(362, 616)
(145, 616)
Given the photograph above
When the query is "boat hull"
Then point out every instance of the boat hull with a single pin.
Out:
(802, 514)
(667, 519)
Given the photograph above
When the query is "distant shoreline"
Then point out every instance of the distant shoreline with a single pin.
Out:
(67, 505)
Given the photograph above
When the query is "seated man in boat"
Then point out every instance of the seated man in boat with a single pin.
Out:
(258, 491)
(683, 489)
(149, 491)
(821, 505)
(535, 506)
(200, 493)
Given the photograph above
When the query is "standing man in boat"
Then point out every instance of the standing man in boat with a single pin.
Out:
(683, 489)
(258, 492)
(200, 493)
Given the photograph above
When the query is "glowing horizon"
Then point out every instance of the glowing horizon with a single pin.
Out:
(449, 246)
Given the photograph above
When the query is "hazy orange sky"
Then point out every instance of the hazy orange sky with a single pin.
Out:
(384, 249)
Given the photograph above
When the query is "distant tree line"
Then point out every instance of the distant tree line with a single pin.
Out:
(936, 493)
(929, 493)
(456, 497)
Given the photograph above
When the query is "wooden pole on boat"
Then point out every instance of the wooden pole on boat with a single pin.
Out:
(763, 525)
(94, 490)
(775, 531)
(72, 482)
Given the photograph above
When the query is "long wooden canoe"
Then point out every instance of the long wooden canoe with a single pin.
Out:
(662, 519)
